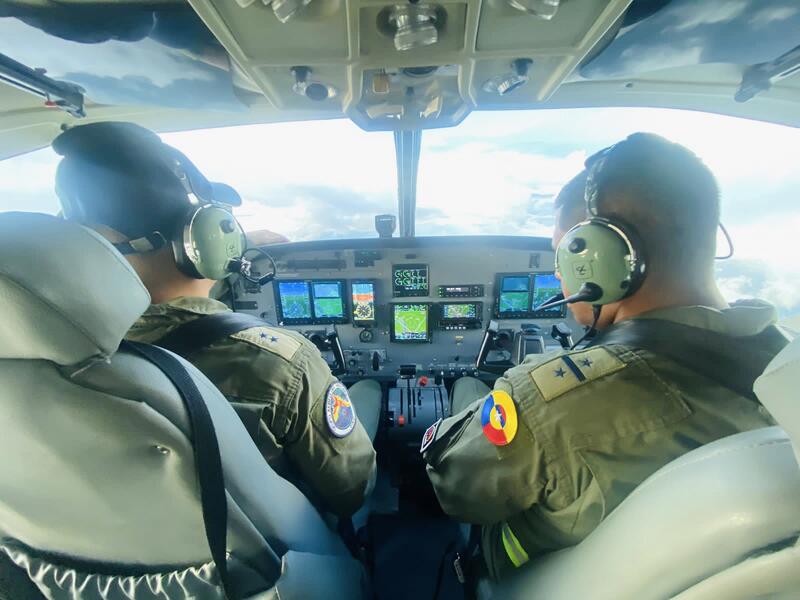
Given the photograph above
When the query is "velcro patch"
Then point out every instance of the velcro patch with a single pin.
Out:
(273, 340)
(569, 371)
(339, 412)
(429, 436)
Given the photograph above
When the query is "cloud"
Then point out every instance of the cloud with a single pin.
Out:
(496, 173)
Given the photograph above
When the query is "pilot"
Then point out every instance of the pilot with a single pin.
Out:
(123, 181)
(539, 461)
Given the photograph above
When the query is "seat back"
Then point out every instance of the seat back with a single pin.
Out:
(98, 486)
(703, 514)
(777, 389)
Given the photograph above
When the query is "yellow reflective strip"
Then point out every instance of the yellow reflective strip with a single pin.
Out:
(516, 553)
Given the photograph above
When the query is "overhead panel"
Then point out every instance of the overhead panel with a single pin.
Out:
(404, 66)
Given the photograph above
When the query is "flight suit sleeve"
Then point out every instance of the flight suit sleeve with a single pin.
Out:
(477, 481)
(337, 467)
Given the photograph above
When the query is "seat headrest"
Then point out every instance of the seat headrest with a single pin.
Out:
(66, 295)
(777, 391)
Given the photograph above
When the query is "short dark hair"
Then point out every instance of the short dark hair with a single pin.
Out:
(661, 189)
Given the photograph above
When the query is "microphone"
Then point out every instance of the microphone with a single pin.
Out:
(589, 292)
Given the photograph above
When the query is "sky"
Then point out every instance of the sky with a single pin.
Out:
(496, 173)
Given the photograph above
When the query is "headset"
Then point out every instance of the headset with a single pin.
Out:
(600, 260)
(207, 241)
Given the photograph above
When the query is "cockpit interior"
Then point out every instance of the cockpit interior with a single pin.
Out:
(100, 495)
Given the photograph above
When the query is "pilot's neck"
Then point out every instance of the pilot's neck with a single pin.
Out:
(654, 297)
(185, 288)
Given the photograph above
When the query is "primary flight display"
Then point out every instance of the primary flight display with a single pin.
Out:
(294, 301)
(363, 296)
(519, 294)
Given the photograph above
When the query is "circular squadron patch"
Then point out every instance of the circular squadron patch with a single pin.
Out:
(499, 418)
(339, 411)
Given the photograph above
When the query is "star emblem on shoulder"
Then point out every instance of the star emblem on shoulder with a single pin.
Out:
(560, 373)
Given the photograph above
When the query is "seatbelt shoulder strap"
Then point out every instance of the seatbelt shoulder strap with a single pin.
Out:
(208, 464)
(204, 331)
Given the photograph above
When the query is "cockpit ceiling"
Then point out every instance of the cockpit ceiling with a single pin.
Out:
(174, 65)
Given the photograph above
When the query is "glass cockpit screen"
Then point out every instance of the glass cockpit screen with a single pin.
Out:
(411, 322)
(545, 286)
(363, 295)
(460, 311)
(328, 302)
(409, 280)
(294, 301)
(515, 296)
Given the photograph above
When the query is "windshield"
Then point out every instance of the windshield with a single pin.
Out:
(496, 173)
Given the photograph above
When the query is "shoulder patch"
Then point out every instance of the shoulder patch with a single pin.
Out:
(499, 418)
(569, 371)
(269, 339)
(340, 415)
(430, 435)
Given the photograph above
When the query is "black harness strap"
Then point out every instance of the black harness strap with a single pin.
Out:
(732, 362)
(208, 463)
(204, 331)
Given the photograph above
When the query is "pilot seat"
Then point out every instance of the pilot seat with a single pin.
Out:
(99, 493)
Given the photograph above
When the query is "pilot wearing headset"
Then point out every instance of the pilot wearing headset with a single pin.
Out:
(177, 231)
(563, 438)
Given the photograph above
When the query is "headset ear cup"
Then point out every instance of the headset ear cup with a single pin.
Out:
(604, 254)
(206, 243)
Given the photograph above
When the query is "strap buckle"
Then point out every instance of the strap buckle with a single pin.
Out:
(458, 567)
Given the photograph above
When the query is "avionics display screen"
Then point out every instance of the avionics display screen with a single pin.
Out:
(409, 280)
(328, 301)
(411, 322)
(461, 311)
(294, 301)
(363, 294)
(546, 285)
(515, 296)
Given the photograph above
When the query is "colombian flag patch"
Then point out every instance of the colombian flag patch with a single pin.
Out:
(499, 418)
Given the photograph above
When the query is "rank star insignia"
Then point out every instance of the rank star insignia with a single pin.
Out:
(586, 362)
(560, 372)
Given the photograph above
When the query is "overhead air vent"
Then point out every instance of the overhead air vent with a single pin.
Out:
(509, 82)
(412, 25)
(284, 10)
(313, 90)
(544, 9)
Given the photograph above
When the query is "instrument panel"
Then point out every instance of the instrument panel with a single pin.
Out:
(416, 301)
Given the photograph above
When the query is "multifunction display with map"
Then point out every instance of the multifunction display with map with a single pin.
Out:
(519, 294)
(514, 299)
(363, 296)
(294, 302)
(411, 322)
(545, 286)
(409, 280)
(328, 301)
(460, 315)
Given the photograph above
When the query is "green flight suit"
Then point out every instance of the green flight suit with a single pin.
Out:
(592, 424)
(278, 382)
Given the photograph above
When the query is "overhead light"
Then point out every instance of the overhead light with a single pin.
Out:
(544, 9)
(511, 81)
(414, 25)
(313, 90)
